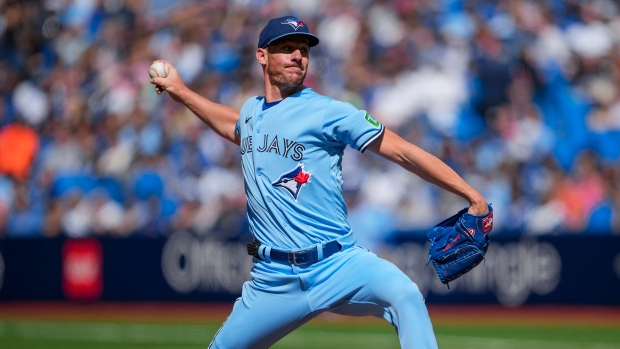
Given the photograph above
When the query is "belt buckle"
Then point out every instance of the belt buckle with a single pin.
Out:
(295, 257)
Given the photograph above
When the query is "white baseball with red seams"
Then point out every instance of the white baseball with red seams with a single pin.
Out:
(158, 69)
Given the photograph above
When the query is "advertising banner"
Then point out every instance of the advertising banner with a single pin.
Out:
(184, 267)
(552, 270)
(82, 269)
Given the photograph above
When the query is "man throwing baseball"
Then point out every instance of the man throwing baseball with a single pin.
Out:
(306, 260)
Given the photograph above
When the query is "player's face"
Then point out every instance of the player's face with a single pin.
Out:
(287, 61)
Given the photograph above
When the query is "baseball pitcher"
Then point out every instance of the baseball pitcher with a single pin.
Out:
(306, 260)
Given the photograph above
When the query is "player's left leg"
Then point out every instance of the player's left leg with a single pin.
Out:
(363, 284)
(272, 305)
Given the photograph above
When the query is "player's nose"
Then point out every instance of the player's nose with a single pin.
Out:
(296, 55)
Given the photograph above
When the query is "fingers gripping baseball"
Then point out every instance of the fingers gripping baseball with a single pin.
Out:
(158, 69)
(166, 78)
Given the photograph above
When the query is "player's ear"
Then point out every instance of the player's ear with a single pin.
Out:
(261, 56)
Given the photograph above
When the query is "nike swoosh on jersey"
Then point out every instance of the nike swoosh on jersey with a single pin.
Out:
(247, 119)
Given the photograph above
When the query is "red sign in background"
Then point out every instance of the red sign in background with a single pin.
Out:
(82, 269)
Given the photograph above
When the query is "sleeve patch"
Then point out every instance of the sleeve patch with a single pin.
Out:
(372, 121)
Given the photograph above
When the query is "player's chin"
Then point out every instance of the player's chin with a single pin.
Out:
(293, 80)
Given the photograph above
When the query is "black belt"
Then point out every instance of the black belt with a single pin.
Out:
(308, 256)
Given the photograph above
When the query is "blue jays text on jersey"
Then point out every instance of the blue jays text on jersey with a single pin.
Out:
(283, 146)
(291, 155)
(291, 159)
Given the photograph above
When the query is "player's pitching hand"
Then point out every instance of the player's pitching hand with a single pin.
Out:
(172, 83)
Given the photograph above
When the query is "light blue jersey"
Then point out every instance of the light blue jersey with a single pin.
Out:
(291, 158)
(306, 261)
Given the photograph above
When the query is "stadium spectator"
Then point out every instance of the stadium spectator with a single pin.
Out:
(528, 92)
(27, 216)
(19, 145)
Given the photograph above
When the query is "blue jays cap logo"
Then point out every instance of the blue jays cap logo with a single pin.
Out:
(293, 22)
(293, 180)
(280, 27)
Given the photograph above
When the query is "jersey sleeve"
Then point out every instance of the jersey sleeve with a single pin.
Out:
(343, 123)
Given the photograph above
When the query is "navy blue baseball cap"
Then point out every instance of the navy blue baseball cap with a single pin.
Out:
(284, 26)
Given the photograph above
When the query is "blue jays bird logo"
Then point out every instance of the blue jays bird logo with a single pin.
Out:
(293, 180)
(294, 22)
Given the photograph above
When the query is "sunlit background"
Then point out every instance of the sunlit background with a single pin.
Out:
(520, 97)
(109, 191)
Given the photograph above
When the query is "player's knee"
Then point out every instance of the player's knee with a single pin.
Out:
(409, 293)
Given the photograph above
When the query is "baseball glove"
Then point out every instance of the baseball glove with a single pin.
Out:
(459, 243)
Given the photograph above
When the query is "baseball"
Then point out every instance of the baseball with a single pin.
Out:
(158, 69)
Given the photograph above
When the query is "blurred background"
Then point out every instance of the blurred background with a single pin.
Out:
(521, 98)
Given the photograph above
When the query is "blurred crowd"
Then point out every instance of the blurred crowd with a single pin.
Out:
(522, 98)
